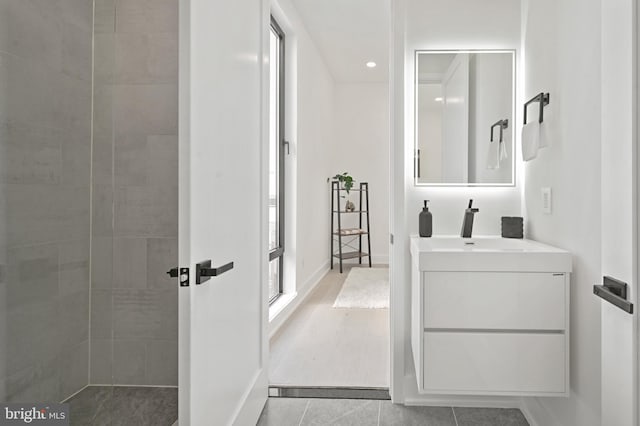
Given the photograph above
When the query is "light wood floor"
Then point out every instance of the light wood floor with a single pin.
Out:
(323, 346)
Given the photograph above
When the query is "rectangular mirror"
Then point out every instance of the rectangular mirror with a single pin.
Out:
(464, 118)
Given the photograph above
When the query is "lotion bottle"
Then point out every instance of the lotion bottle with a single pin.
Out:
(425, 221)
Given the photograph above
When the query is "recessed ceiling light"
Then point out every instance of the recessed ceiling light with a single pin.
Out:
(371, 64)
(438, 99)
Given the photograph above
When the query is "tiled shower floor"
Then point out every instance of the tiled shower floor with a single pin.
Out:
(124, 406)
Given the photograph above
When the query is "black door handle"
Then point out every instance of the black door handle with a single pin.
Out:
(615, 292)
(204, 271)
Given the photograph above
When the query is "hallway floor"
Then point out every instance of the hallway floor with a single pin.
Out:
(297, 412)
(324, 346)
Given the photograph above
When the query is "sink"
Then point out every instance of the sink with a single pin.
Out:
(487, 253)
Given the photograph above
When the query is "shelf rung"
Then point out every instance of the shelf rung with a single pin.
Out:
(352, 255)
(351, 232)
(355, 211)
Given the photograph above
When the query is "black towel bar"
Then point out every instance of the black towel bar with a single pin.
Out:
(503, 125)
(543, 98)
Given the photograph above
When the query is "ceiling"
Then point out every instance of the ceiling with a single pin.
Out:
(350, 33)
(434, 63)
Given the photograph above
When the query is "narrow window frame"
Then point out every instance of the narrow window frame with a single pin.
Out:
(277, 253)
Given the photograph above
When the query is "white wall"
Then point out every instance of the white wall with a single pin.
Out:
(490, 98)
(309, 103)
(459, 24)
(562, 51)
(361, 147)
(437, 24)
(429, 128)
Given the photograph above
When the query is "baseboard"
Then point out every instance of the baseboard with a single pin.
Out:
(535, 413)
(380, 259)
(248, 412)
(301, 296)
(418, 399)
(462, 401)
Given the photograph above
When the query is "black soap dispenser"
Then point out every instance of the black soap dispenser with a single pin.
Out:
(425, 221)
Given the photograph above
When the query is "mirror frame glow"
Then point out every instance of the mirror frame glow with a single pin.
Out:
(514, 124)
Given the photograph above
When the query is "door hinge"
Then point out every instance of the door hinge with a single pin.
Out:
(184, 275)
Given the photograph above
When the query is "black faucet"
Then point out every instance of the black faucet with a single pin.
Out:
(467, 223)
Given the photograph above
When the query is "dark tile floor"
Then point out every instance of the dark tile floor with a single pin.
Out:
(124, 406)
(350, 412)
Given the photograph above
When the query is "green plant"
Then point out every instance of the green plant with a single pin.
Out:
(346, 180)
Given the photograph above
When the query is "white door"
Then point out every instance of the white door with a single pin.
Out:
(455, 145)
(619, 212)
(222, 374)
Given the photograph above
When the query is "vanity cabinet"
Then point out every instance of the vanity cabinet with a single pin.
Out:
(484, 332)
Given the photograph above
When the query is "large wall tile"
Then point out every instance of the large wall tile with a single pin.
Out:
(129, 263)
(32, 275)
(102, 263)
(105, 16)
(45, 168)
(131, 159)
(73, 267)
(102, 224)
(146, 109)
(77, 50)
(145, 16)
(33, 31)
(101, 372)
(76, 158)
(38, 214)
(74, 368)
(30, 154)
(73, 319)
(102, 158)
(32, 335)
(103, 111)
(162, 363)
(128, 362)
(144, 314)
(146, 211)
(38, 382)
(104, 58)
(146, 58)
(101, 314)
(135, 164)
(162, 168)
(162, 255)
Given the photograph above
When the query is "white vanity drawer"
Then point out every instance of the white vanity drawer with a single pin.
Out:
(494, 301)
(496, 363)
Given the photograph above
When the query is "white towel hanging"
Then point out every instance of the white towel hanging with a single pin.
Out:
(503, 151)
(530, 140)
(493, 155)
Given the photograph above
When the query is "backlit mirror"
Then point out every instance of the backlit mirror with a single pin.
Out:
(464, 118)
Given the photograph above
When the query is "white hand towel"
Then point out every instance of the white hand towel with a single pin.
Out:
(493, 156)
(503, 151)
(530, 140)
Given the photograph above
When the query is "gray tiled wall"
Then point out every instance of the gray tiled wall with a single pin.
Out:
(135, 199)
(45, 146)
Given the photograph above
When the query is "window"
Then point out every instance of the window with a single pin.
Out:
(276, 160)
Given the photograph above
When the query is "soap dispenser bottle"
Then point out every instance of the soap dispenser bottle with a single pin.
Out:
(425, 221)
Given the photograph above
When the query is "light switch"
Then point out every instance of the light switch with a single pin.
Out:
(546, 200)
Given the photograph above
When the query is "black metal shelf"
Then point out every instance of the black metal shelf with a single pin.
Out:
(338, 233)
